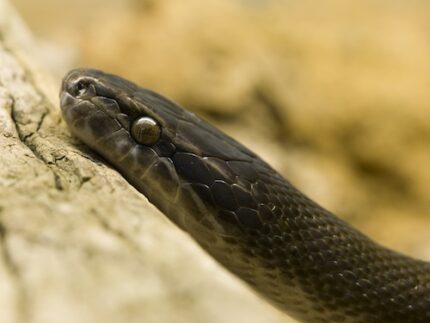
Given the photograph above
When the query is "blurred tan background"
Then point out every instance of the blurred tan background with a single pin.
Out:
(334, 95)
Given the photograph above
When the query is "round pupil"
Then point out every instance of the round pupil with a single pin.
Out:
(146, 131)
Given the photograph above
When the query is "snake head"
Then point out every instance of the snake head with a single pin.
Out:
(180, 162)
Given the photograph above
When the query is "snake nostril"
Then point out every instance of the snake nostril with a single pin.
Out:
(82, 88)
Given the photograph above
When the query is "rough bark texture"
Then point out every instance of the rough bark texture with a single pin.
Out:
(77, 242)
(334, 96)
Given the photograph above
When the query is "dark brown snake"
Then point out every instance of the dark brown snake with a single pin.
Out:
(301, 257)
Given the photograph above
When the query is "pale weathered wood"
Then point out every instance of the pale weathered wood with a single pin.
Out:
(77, 243)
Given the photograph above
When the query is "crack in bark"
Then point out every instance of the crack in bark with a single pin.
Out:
(39, 125)
(28, 131)
(26, 140)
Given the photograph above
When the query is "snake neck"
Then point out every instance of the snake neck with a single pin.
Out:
(298, 255)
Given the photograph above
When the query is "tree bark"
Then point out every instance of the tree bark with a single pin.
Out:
(77, 242)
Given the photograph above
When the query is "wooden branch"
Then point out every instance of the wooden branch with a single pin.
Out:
(77, 242)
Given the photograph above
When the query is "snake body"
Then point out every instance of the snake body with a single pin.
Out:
(301, 257)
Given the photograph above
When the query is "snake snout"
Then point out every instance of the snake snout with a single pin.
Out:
(66, 100)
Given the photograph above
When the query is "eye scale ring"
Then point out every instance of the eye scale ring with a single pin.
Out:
(145, 131)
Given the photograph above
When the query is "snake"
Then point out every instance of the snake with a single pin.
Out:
(297, 255)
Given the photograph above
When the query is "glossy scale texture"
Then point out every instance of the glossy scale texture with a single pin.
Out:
(296, 254)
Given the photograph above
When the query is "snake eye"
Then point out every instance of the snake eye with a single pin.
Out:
(146, 131)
